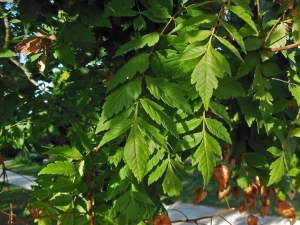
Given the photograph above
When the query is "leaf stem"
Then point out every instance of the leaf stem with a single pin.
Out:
(258, 11)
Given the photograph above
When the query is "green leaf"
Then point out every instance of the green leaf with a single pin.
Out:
(229, 46)
(123, 201)
(277, 38)
(71, 152)
(256, 160)
(161, 8)
(142, 197)
(136, 152)
(65, 54)
(221, 111)
(158, 172)
(188, 125)
(253, 43)
(277, 170)
(169, 93)
(205, 157)
(240, 12)
(6, 53)
(294, 132)
(120, 98)
(61, 200)
(243, 179)
(148, 39)
(85, 140)
(138, 63)
(193, 53)
(270, 69)
(204, 76)
(29, 10)
(234, 33)
(275, 151)
(116, 188)
(288, 150)
(61, 168)
(229, 88)
(250, 62)
(244, 4)
(152, 133)
(62, 184)
(107, 125)
(191, 36)
(133, 209)
(45, 221)
(155, 159)
(78, 32)
(155, 112)
(116, 130)
(216, 128)
(119, 8)
(249, 109)
(171, 184)
(105, 220)
(296, 29)
(188, 142)
(193, 21)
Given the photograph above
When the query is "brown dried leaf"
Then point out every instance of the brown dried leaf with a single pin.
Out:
(34, 44)
(162, 220)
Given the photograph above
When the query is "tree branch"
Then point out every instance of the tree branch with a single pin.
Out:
(205, 217)
(281, 48)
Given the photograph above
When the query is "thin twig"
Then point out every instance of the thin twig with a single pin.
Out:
(204, 217)
(281, 48)
(258, 11)
(285, 81)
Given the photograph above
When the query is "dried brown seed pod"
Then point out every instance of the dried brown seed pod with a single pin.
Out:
(34, 212)
(222, 192)
(264, 210)
(221, 175)
(265, 200)
(236, 192)
(162, 220)
(242, 207)
(255, 190)
(250, 202)
(248, 191)
(289, 212)
(263, 191)
(292, 193)
(199, 195)
(281, 205)
(252, 220)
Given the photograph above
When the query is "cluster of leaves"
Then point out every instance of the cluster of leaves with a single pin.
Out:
(139, 88)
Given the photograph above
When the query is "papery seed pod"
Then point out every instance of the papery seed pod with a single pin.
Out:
(250, 202)
(225, 152)
(242, 207)
(263, 191)
(265, 200)
(264, 210)
(254, 190)
(236, 192)
(199, 195)
(281, 205)
(292, 193)
(248, 191)
(289, 212)
(222, 192)
(257, 181)
(294, 219)
(271, 192)
(252, 220)
(162, 220)
(221, 175)
(34, 212)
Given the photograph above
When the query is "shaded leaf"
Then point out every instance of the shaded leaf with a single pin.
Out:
(277, 170)
(63, 184)
(191, 36)
(170, 93)
(220, 111)
(71, 152)
(121, 98)
(158, 172)
(250, 62)
(216, 128)
(65, 54)
(171, 184)
(229, 46)
(189, 141)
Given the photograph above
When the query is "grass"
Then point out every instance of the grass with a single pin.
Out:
(17, 198)
(23, 165)
(196, 181)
